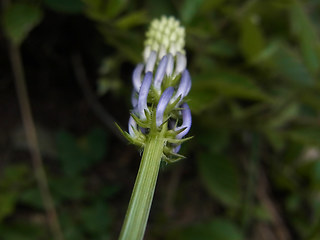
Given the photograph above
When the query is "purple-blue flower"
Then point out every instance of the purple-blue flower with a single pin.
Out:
(151, 62)
(184, 86)
(186, 121)
(132, 125)
(136, 77)
(162, 105)
(153, 106)
(143, 95)
(160, 73)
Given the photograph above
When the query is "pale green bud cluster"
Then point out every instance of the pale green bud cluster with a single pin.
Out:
(164, 36)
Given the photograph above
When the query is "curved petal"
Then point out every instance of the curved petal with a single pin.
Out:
(132, 125)
(184, 86)
(162, 52)
(162, 105)
(151, 62)
(143, 95)
(186, 121)
(189, 84)
(146, 53)
(170, 65)
(136, 77)
(181, 63)
(177, 149)
(160, 73)
(134, 99)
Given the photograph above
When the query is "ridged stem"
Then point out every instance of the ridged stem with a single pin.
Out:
(140, 203)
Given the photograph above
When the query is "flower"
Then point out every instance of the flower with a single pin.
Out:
(160, 86)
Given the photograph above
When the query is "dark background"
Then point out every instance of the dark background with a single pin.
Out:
(253, 167)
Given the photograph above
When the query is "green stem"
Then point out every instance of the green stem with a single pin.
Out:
(140, 203)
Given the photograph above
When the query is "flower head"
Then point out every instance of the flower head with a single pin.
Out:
(160, 86)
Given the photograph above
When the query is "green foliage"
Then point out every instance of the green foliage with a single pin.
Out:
(221, 177)
(252, 41)
(255, 71)
(218, 229)
(10, 188)
(189, 10)
(306, 34)
(101, 10)
(69, 6)
(76, 155)
(19, 19)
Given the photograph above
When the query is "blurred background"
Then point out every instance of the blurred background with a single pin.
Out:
(253, 167)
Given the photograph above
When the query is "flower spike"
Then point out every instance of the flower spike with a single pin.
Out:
(160, 85)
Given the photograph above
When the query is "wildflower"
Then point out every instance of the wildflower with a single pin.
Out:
(160, 86)
(160, 118)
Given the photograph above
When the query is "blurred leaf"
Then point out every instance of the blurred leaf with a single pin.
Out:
(275, 137)
(132, 20)
(8, 202)
(209, 5)
(252, 41)
(281, 60)
(127, 43)
(61, 188)
(68, 6)
(236, 85)
(158, 8)
(76, 155)
(96, 144)
(202, 98)
(316, 172)
(19, 19)
(262, 213)
(208, 89)
(287, 113)
(115, 7)
(32, 198)
(96, 218)
(221, 138)
(22, 230)
(105, 85)
(72, 230)
(10, 188)
(218, 229)
(221, 177)
(305, 135)
(306, 34)
(189, 9)
(102, 10)
(109, 191)
(222, 48)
